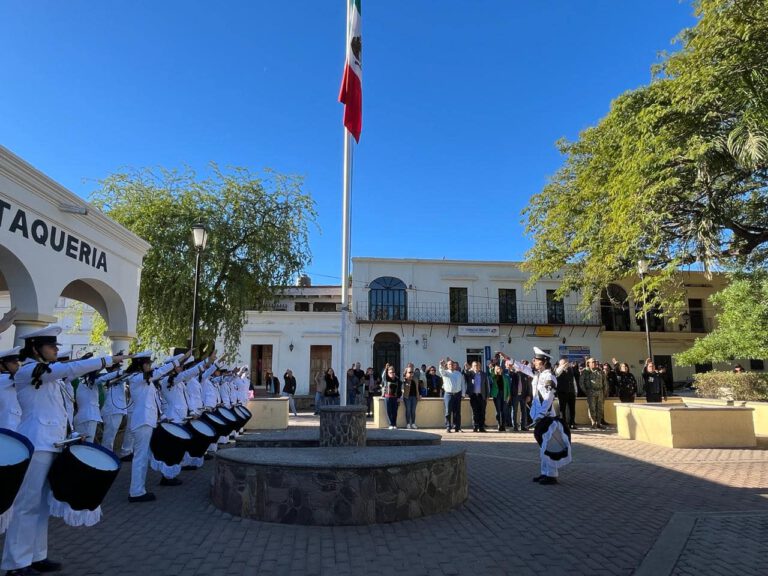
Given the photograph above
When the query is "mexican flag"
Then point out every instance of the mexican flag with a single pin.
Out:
(351, 94)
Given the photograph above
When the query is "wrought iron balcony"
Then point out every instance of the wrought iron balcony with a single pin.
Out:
(529, 313)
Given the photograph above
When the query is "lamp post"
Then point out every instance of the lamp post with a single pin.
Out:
(642, 270)
(199, 238)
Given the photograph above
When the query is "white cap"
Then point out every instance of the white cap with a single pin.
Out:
(48, 332)
(539, 354)
(11, 352)
(146, 354)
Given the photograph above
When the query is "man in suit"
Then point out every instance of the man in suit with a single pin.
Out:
(477, 387)
(566, 391)
(521, 396)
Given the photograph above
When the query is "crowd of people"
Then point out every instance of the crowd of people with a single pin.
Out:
(49, 401)
(509, 388)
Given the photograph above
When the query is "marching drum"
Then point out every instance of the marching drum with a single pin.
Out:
(244, 414)
(557, 447)
(216, 422)
(80, 477)
(229, 417)
(203, 435)
(169, 442)
(15, 456)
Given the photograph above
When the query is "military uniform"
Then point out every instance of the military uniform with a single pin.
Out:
(593, 382)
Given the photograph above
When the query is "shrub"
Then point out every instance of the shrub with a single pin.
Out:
(749, 386)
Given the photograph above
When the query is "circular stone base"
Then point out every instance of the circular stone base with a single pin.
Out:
(339, 486)
(309, 437)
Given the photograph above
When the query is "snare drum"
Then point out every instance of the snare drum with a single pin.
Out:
(203, 435)
(82, 475)
(15, 455)
(229, 417)
(216, 422)
(169, 442)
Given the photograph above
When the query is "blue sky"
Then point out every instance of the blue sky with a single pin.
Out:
(463, 102)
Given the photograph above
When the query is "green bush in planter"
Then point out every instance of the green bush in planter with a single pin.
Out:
(749, 386)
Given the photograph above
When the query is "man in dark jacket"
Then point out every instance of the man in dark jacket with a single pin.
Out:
(521, 396)
(566, 391)
(477, 388)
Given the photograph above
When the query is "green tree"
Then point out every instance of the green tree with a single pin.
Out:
(742, 323)
(675, 172)
(257, 242)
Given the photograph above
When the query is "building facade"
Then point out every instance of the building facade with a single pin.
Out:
(414, 310)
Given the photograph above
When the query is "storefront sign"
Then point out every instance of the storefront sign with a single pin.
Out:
(574, 353)
(39, 231)
(478, 331)
(546, 331)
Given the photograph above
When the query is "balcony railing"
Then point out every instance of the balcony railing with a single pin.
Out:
(530, 313)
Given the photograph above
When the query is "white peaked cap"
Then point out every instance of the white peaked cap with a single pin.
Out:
(540, 354)
(11, 352)
(49, 331)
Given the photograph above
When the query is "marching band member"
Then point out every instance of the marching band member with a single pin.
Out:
(44, 422)
(210, 392)
(88, 415)
(143, 419)
(115, 404)
(10, 410)
(176, 409)
(550, 430)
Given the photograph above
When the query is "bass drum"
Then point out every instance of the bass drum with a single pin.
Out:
(203, 435)
(229, 417)
(559, 450)
(243, 412)
(169, 442)
(216, 422)
(15, 455)
(80, 477)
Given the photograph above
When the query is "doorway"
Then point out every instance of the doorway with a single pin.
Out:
(261, 362)
(320, 358)
(386, 350)
(476, 355)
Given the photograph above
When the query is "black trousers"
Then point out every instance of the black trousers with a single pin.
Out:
(568, 408)
(478, 404)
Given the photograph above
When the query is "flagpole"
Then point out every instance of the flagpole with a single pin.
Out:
(345, 246)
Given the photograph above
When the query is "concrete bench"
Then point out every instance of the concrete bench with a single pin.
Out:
(268, 414)
(681, 426)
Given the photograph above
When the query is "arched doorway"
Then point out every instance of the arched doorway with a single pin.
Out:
(386, 350)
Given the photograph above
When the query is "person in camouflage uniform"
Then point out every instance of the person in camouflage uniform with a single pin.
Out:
(594, 384)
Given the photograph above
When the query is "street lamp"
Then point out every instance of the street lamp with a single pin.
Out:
(199, 238)
(642, 270)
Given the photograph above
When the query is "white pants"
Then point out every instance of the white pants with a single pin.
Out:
(141, 437)
(26, 540)
(127, 447)
(111, 426)
(87, 428)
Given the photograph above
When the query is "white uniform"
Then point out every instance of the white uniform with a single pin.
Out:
(142, 421)
(44, 422)
(210, 389)
(115, 406)
(10, 409)
(88, 415)
(544, 387)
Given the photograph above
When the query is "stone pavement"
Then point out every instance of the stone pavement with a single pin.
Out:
(621, 507)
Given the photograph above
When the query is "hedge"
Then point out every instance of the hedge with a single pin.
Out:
(748, 386)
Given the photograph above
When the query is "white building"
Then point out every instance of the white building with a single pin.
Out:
(54, 245)
(411, 310)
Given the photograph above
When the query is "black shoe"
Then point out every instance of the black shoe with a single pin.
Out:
(27, 571)
(548, 480)
(483, 430)
(448, 430)
(573, 426)
(46, 566)
(146, 497)
(539, 478)
(459, 430)
(170, 481)
(208, 456)
(474, 429)
(126, 458)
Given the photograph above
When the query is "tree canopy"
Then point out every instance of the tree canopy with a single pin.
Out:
(742, 318)
(257, 242)
(675, 172)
